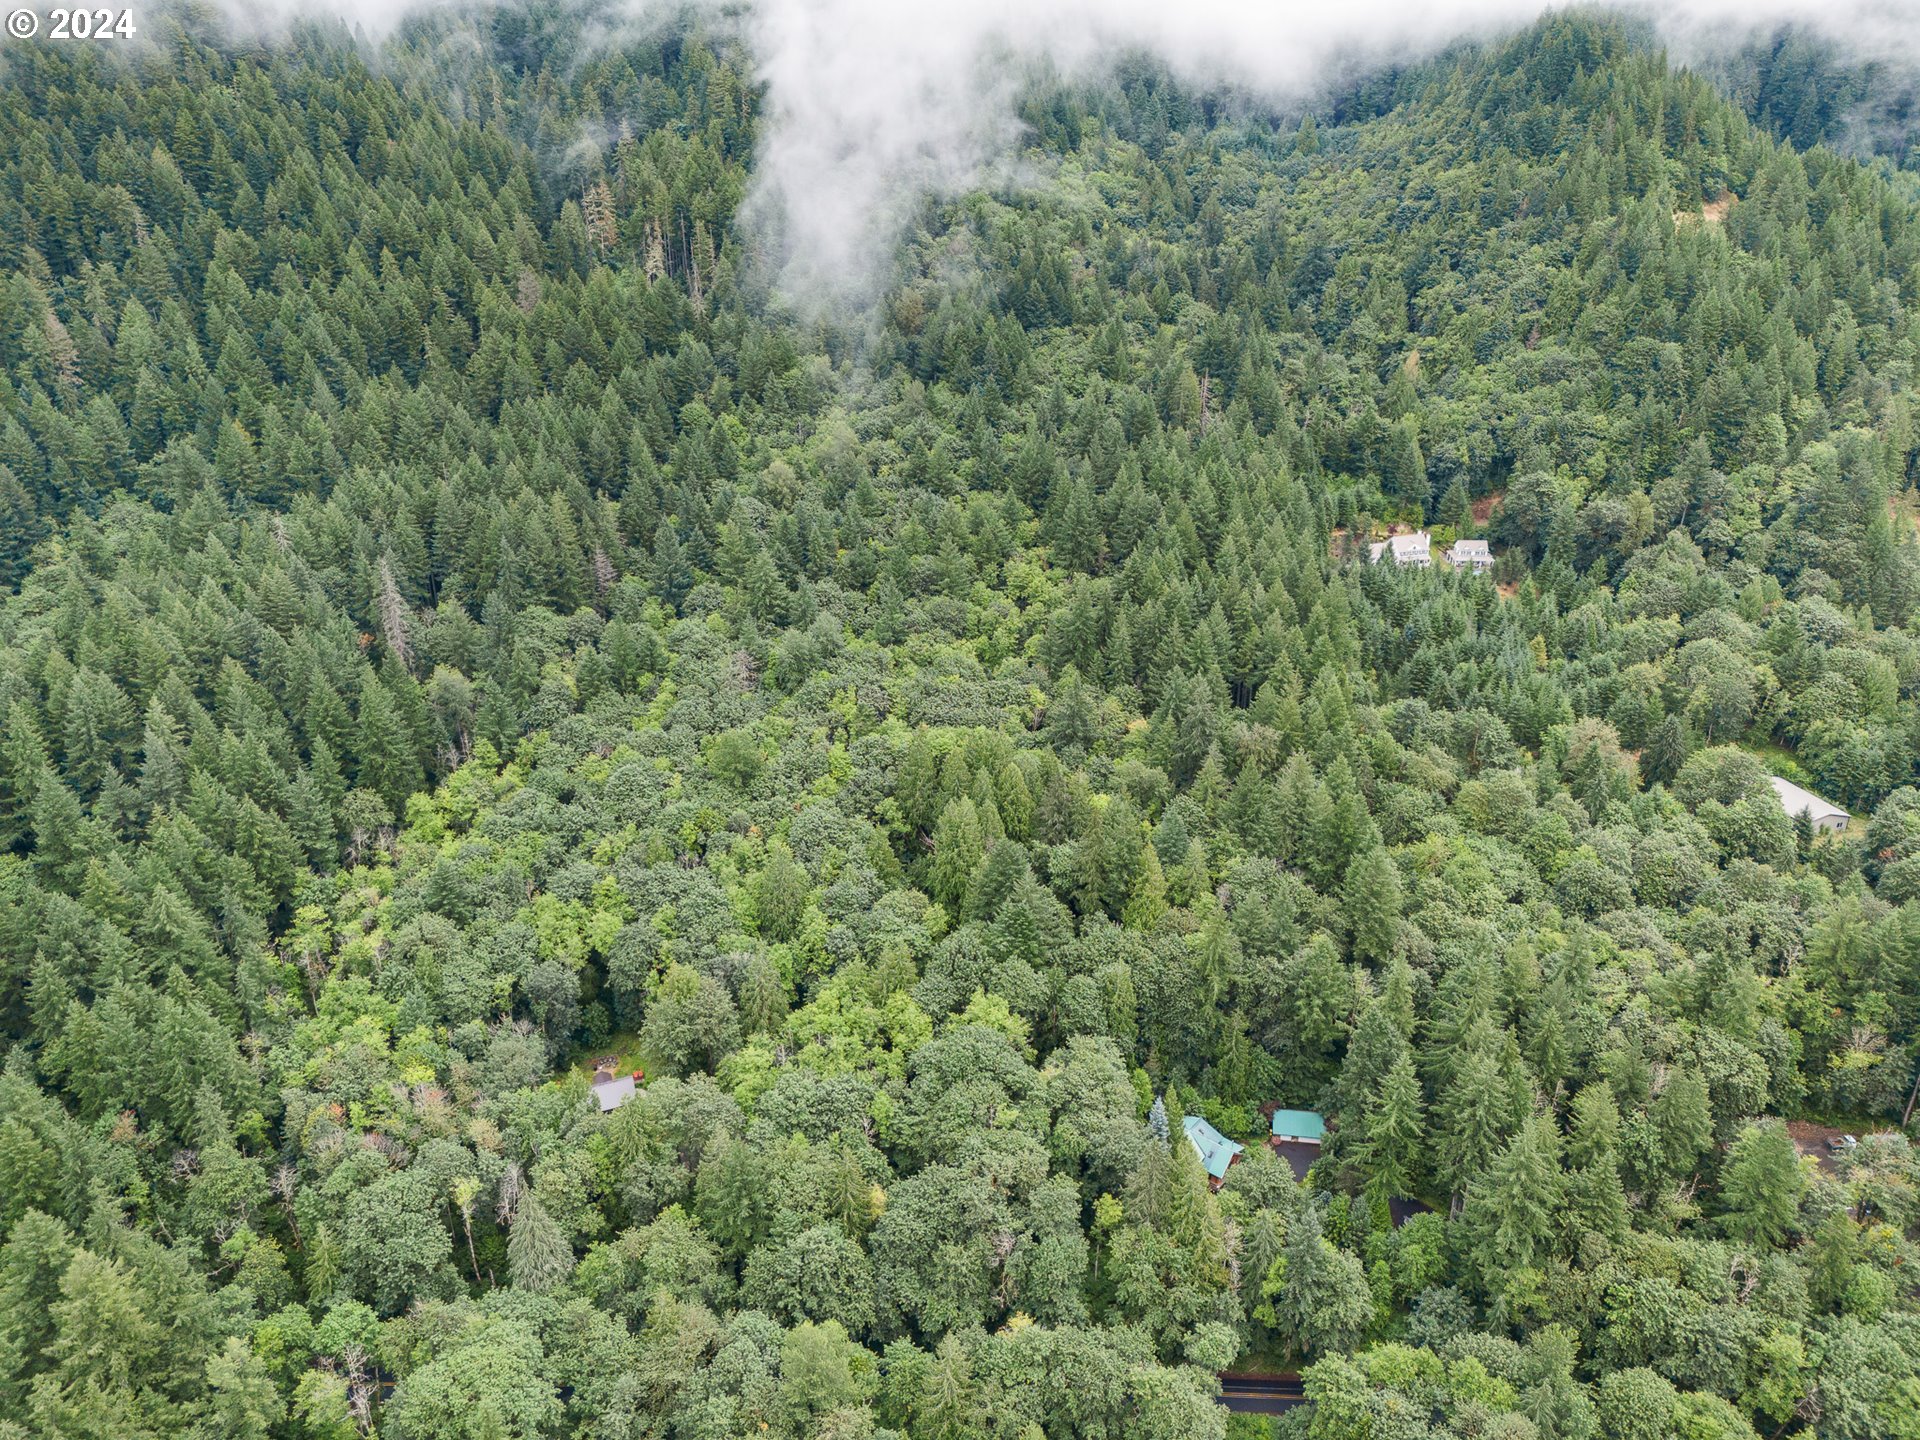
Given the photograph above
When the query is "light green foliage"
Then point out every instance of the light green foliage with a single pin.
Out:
(1373, 902)
(691, 1023)
(1395, 1130)
(1318, 1294)
(461, 620)
(538, 1256)
(393, 1245)
(485, 1376)
(1513, 1209)
(1761, 1184)
(1635, 1404)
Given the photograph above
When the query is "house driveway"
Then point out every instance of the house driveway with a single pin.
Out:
(1296, 1153)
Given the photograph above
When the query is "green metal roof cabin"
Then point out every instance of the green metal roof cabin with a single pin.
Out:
(1216, 1152)
(1302, 1125)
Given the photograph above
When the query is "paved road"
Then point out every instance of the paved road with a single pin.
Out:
(1261, 1394)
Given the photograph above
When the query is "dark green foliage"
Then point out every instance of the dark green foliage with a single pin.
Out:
(459, 624)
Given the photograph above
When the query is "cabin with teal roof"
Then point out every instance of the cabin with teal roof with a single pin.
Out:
(1216, 1152)
(1299, 1127)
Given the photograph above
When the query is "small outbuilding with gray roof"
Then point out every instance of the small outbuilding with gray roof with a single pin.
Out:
(1823, 814)
(611, 1091)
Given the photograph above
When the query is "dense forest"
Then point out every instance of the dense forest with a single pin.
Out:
(460, 621)
(1810, 90)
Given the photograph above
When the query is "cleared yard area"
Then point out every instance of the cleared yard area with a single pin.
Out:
(1812, 1139)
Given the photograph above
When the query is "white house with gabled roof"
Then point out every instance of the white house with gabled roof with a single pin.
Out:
(1474, 555)
(1415, 549)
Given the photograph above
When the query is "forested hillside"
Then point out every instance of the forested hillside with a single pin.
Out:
(460, 621)
(1810, 90)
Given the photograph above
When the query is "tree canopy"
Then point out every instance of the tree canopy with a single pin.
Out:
(460, 620)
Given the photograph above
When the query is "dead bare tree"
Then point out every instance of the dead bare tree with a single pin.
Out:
(512, 1182)
(656, 261)
(286, 1180)
(61, 353)
(359, 1387)
(393, 615)
(597, 206)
